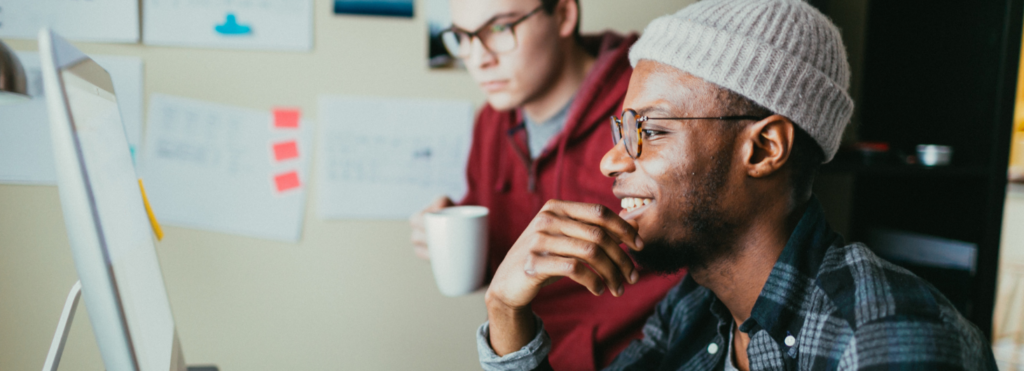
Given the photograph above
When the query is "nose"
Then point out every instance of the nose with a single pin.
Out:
(479, 55)
(616, 161)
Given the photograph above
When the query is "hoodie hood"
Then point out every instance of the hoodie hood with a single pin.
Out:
(604, 87)
(599, 97)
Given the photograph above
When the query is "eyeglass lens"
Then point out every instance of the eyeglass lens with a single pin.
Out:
(627, 129)
(631, 133)
(616, 131)
(496, 38)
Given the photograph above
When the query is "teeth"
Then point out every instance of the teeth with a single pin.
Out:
(631, 203)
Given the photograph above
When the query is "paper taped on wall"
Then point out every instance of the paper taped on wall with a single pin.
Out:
(213, 167)
(26, 154)
(388, 158)
(231, 24)
(93, 20)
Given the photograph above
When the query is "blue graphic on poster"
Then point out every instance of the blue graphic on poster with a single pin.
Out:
(231, 27)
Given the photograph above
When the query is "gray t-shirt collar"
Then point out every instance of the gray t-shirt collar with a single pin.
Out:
(729, 366)
(539, 134)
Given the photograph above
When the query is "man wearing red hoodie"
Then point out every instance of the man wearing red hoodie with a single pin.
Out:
(550, 93)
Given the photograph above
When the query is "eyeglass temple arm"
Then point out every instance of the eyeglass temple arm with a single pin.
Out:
(645, 118)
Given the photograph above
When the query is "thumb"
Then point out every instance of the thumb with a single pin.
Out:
(440, 203)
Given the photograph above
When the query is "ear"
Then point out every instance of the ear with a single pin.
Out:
(569, 15)
(767, 146)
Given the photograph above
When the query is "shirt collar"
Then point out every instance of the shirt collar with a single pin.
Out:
(779, 306)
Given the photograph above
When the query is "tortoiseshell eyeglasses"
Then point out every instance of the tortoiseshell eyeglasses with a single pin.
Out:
(630, 127)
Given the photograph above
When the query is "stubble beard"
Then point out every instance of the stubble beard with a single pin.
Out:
(708, 230)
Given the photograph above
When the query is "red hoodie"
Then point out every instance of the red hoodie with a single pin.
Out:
(587, 331)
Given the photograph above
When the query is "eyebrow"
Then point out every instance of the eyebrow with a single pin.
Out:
(646, 111)
(489, 21)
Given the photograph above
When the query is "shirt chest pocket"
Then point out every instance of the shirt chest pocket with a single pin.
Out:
(766, 354)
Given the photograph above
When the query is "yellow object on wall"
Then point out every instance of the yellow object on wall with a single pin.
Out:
(1017, 146)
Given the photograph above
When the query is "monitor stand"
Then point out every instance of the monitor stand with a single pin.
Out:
(60, 337)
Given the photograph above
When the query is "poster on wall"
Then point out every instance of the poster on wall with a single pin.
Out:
(439, 18)
(115, 21)
(230, 24)
(26, 152)
(387, 8)
(415, 150)
(227, 169)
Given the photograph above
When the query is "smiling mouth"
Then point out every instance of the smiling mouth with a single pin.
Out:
(631, 204)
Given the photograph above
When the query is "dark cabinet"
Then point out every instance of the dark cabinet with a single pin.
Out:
(938, 72)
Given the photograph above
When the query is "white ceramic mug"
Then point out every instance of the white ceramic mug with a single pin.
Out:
(457, 242)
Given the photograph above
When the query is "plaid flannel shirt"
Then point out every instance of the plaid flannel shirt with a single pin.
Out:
(825, 306)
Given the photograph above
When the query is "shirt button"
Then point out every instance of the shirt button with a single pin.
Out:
(712, 348)
(790, 341)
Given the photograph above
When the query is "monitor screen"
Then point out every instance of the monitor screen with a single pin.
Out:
(106, 220)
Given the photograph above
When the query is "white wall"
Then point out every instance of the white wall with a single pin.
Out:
(1012, 250)
(1011, 265)
(351, 295)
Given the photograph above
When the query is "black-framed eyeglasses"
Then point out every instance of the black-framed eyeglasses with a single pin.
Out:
(495, 37)
(630, 127)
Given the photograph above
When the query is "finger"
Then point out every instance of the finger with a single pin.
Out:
(421, 251)
(608, 245)
(439, 204)
(633, 223)
(591, 253)
(416, 220)
(599, 215)
(419, 237)
(545, 267)
(419, 244)
(551, 223)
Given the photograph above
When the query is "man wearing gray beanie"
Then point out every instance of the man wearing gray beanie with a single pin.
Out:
(732, 107)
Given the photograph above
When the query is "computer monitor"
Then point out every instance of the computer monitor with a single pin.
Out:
(107, 224)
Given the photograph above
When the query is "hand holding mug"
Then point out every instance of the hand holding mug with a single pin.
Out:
(457, 240)
(419, 233)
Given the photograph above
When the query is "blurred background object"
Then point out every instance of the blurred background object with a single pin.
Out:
(1017, 150)
(13, 84)
(934, 154)
(923, 81)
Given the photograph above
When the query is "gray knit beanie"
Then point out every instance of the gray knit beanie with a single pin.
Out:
(782, 54)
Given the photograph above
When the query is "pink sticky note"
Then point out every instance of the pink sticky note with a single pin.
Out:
(286, 150)
(287, 181)
(286, 118)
